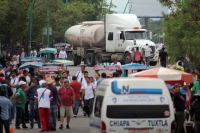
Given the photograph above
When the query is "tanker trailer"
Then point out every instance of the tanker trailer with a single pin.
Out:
(96, 42)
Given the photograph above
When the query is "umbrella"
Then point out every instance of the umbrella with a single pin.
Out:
(48, 50)
(66, 62)
(31, 65)
(170, 76)
(30, 58)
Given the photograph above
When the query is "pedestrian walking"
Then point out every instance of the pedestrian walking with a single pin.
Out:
(80, 74)
(5, 104)
(147, 54)
(163, 58)
(88, 95)
(98, 78)
(31, 90)
(23, 54)
(53, 105)
(43, 96)
(67, 97)
(20, 105)
(62, 54)
(17, 56)
(179, 103)
(76, 87)
(195, 112)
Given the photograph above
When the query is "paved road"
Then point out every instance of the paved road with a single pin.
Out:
(77, 125)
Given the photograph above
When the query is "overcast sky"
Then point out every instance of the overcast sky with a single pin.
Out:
(121, 4)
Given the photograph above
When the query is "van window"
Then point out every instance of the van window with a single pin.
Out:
(110, 36)
(137, 111)
(98, 105)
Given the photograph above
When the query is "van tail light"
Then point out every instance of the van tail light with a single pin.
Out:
(103, 127)
(173, 126)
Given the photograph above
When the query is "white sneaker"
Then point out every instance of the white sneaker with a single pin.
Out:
(75, 115)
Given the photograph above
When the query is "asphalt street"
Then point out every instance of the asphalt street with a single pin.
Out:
(77, 125)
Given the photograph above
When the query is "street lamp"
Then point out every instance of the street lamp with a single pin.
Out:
(66, 2)
(30, 28)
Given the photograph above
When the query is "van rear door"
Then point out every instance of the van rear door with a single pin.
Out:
(138, 113)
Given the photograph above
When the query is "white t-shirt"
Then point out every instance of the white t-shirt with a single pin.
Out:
(28, 80)
(147, 51)
(33, 53)
(62, 54)
(17, 58)
(79, 75)
(14, 63)
(89, 93)
(160, 46)
(14, 81)
(117, 64)
(43, 100)
(41, 81)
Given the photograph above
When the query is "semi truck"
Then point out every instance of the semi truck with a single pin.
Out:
(96, 42)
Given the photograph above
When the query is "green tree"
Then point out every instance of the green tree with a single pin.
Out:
(182, 29)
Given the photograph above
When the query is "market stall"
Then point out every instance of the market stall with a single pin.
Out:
(31, 59)
(125, 68)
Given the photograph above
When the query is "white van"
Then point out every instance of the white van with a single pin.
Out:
(132, 105)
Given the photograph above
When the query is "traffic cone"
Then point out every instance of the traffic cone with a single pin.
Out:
(11, 130)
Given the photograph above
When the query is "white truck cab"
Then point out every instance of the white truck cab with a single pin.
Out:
(132, 105)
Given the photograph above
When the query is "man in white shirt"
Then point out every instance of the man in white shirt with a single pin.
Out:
(117, 64)
(43, 96)
(62, 54)
(33, 52)
(160, 46)
(41, 79)
(80, 74)
(14, 81)
(28, 79)
(147, 54)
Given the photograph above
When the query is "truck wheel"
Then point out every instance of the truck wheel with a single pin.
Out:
(153, 63)
(127, 58)
(98, 58)
(90, 59)
(78, 60)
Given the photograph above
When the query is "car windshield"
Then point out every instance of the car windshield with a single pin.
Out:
(132, 35)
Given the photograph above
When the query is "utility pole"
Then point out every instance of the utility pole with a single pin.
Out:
(66, 2)
(126, 6)
(30, 28)
(48, 15)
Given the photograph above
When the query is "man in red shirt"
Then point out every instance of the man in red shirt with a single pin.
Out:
(67, 97)
(77, 87)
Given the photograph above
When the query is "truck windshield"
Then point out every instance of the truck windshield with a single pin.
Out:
(132, 35)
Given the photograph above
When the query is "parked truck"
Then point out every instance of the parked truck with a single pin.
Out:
(97, 41)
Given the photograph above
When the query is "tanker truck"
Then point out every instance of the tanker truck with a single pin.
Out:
(97, 41)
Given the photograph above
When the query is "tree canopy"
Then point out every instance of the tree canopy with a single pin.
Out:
(182, 29)
(14, 18)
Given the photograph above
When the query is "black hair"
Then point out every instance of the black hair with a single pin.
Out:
(13, 71)
(67, 72)
(64, 72)
(40, 76)
(2, 92)
(137, 48)
(117, 74)
(8, 78)
(83, 66)
(91, 78)
(25, 71)
(114, 74)
(180, 63)
(85, 72)
(198, 69)
(74, 78)
(103, 75)
(57, 79)
(22, 78)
